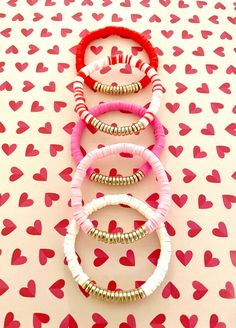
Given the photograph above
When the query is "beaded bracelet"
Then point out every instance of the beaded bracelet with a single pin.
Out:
(115, 106)
(154, 218)
(82, 110)
(119, 296)
(123, 32)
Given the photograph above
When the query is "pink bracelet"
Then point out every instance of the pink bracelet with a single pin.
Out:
(149, 115)
(158, 216)
(115, 106)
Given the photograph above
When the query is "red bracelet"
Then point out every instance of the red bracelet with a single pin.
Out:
(123, 32)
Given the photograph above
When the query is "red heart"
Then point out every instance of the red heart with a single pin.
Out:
(170, 229)
(184, 257)
(198, 52)
(69, 127)
(170, 290)
(154, 256)
(194, 229)
(219, 51)
(65, 174)
(101, 257)
(152, 200)
(3, 198)
(54, 50)
(222, 150)
(209, 130)
(115, 18)
(41, 176)
(233, 257)
(45, 254)
(39, 318)
(45, 33)
(40, 68)
(203, 88)
(56, 288)
(203, 203)
(3, 287)
(205, 34)
(46, 129)
(112, 227)
(172, 107)
(189, 175)
(177, 51)
(9, 321)
(22, 127)
(36, 229)
(129, 259)
(131, 322)
(57, 17)
(35, 107)
(190, 70)
(154, 18)
(77, 17)
(193, 109)
(27, 86)
(225, 88)
(50, 197)
(158, 320)
(174, 19)
(210, 68)
(17, 258)
(145, 3)
(184, 129)
(9, 227)
(32, 49)
(180, 88)
(219, 5)
(8, 149)
(60, 227)
(31, 151)
(186, 34)
(97, 17)
(51, 87)
(180, 200)
(30, 290)
(24, 201)
(214, 178)
(167, 34)
(214, 322)
(16, 174)
(221, 231)
(164, 3)
(37, 17)
(198, 153)
(2, 128)
(228, 292)
(189, 322)
(21, 66)
(216, 106)
(214, 19)
(225, 35)
(99, 321)
(112, 285)
(228, 200)
(5, 86)
(176, 151)
(209, 260)
(12, 49)
(200, 291)
(231, 128)
(54, 149)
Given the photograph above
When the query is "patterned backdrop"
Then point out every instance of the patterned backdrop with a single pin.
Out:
(195, 44)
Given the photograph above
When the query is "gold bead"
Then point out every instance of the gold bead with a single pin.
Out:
(117, 181)
(112, 130)
(137, 294)
(115, 132)
(131, 238)
(95, 86)
(101, 126)
(92, 290)
(126, 235)
(138, 234)
(86, 283)
(118, 237)
(113, 181)
(98, 125)
(134, 128)
(106, 180)
(130, 129)
(112, 296)
(135, 235)
(111, 238)
(90, 285)
(141, 293)
(91, 231)
(125, 296)
(121, 181)
(96, 291)
(128, 296)
(104, 294)
(115, 238)
(106, 240)
(123, 130)
(131, 180)
(135, 178)
(108, 295)
(95, 233)
(104, 234)
(122, 238)
(133, 297)
(99, 86)
(99, 235)
(103, 179)
(120, 296)
(95, 177)
(100, 292)
(109, 180)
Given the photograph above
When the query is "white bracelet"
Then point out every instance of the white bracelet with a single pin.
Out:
(120, 296)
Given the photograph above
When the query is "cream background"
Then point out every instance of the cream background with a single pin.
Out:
(73, 302)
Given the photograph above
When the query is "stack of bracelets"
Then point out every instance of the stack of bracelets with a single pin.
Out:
(155, 218)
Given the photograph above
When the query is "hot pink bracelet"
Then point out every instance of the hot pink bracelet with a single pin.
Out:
(154, 220)
(115, 106)
(148, 116)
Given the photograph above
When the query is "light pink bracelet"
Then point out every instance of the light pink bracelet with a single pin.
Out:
(149, 115)
(115, 106)
(158, 216)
